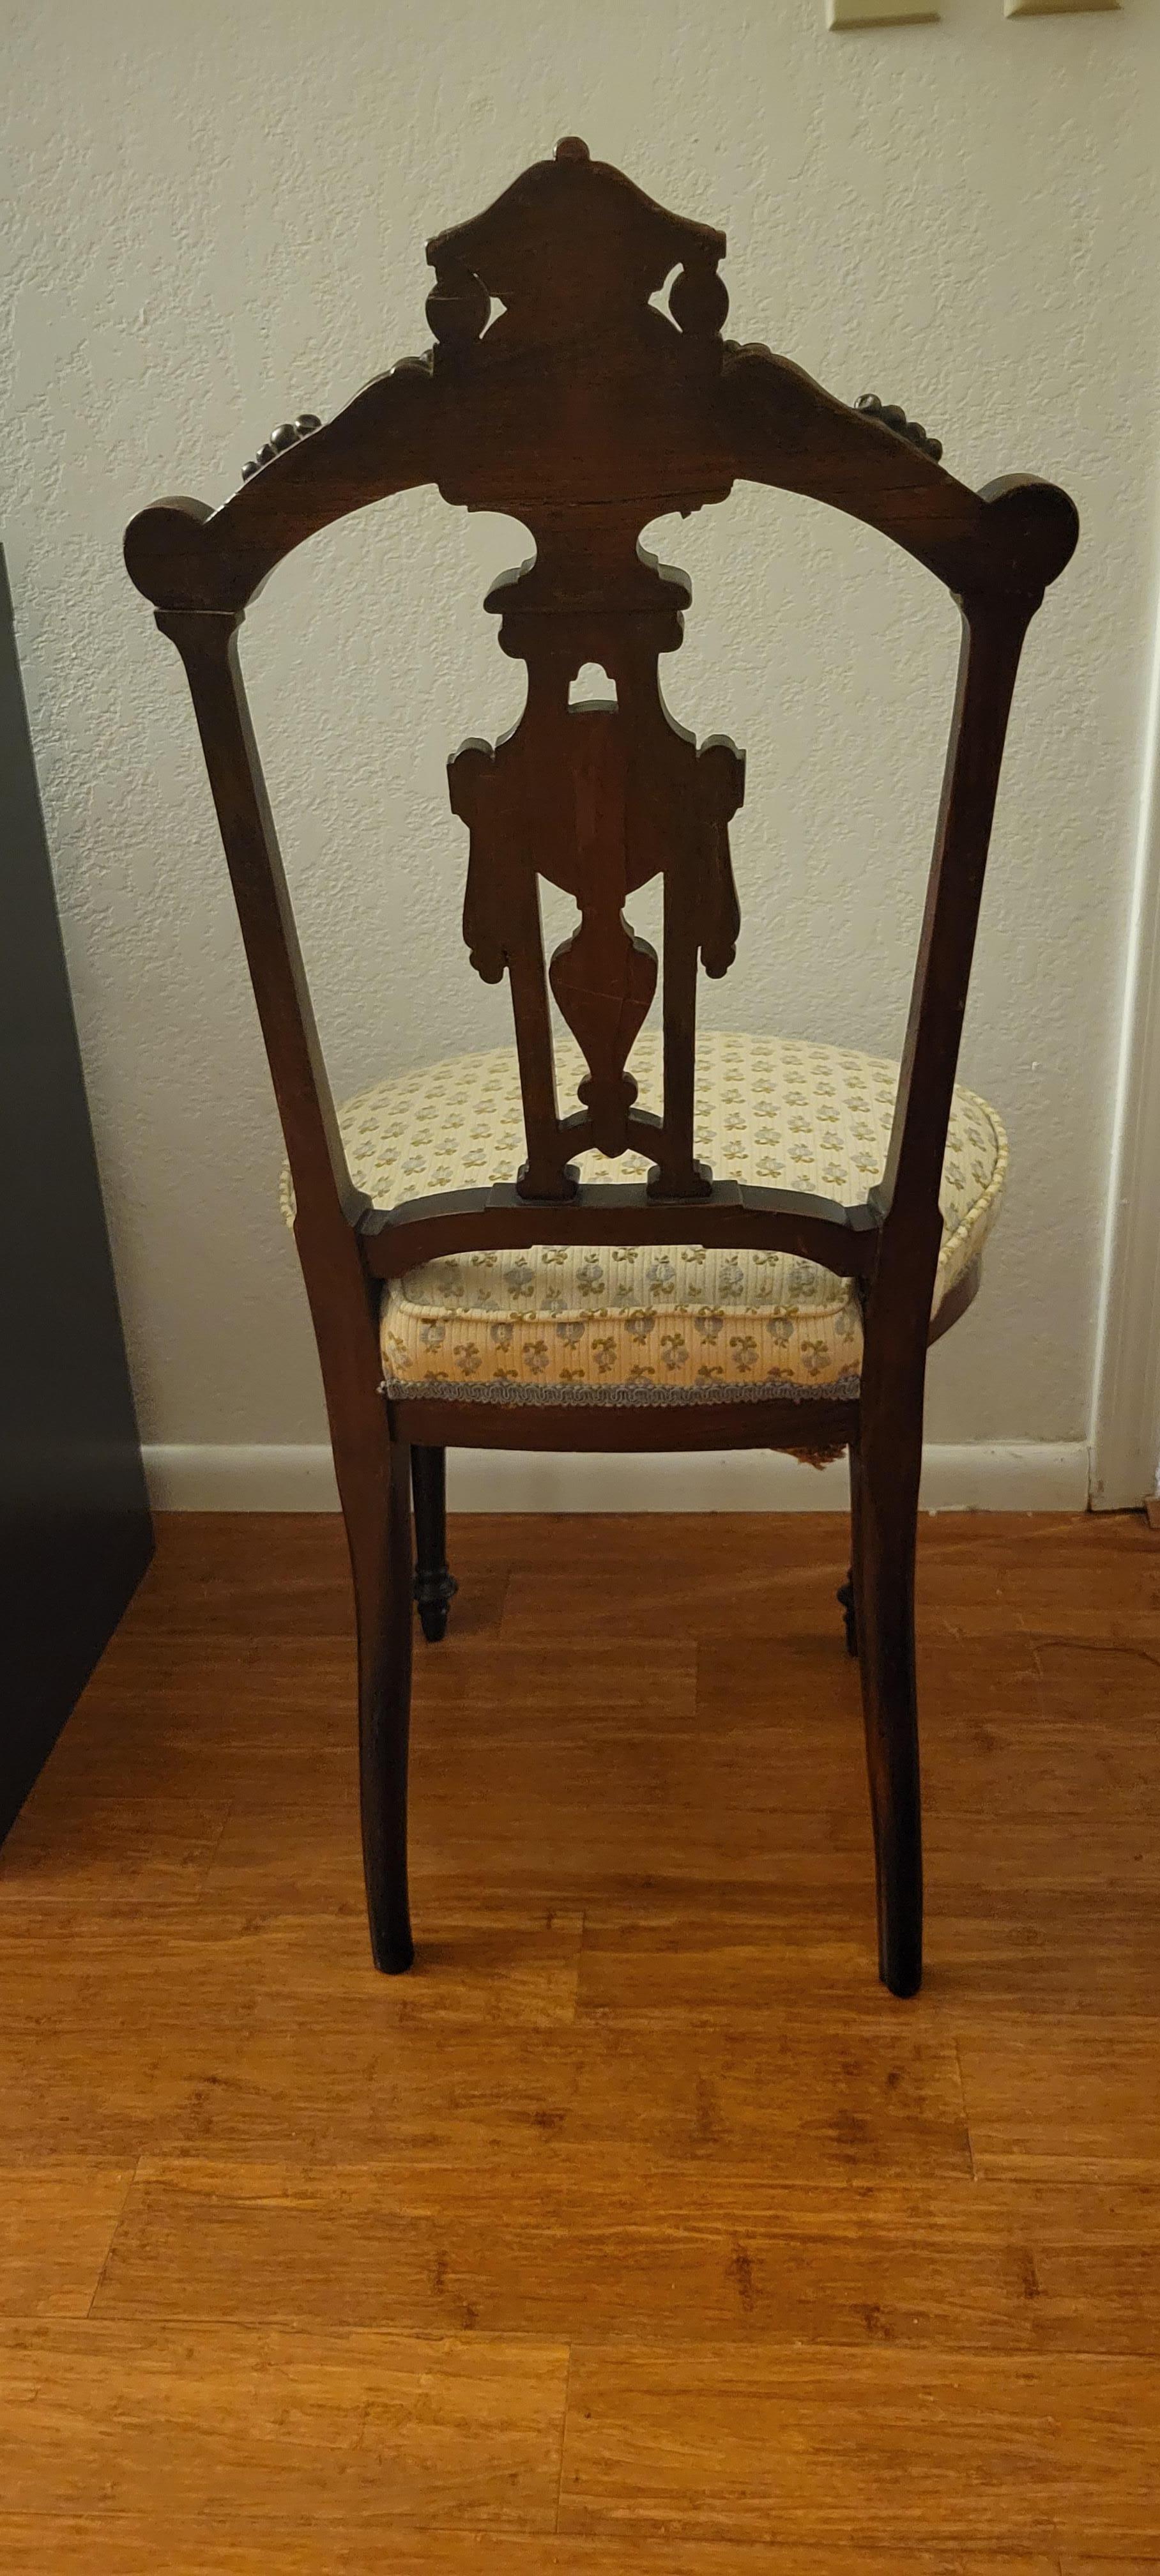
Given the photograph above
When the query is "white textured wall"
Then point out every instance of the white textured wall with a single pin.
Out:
(218, 219)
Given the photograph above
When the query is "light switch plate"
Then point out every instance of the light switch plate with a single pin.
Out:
(879, 13)
(1053, 8)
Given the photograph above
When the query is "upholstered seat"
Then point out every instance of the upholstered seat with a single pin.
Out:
(657, 1324)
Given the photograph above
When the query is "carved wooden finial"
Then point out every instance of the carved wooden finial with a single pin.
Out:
(458, 307)
(893, 417)
(575, 252)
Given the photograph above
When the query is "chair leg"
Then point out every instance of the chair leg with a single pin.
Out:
(847, 1592)
(378, 1521)
(884, 1493)
(435, 1587)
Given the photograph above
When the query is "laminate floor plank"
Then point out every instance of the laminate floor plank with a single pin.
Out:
(1103, 2566)
(122, 2417)
(70, 1847)
(345, 2084)
(1069, 2099)
(142, 2545)
(634, 2254)
(223, 1966)
(57, 2223)
(676, 1953)
(905, 2448)
(251, 1574)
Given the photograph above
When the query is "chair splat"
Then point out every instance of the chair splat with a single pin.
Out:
(599, 800)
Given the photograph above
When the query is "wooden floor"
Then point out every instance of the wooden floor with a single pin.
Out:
(638, 2232)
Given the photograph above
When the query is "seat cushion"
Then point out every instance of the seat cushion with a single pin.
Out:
(658, 1323)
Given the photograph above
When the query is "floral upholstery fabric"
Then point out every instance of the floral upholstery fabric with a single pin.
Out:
(656, 1323)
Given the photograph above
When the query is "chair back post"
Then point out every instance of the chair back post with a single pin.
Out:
(907, 1198)
(207, 643)
(1039, 523)
(328, 1207)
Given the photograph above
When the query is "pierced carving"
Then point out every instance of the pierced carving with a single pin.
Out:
(287, 436)
(893, 417)
(599, 799)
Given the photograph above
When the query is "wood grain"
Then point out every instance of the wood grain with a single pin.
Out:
(307, 2270)
(908, 2448)
(349, 2084)
(518, 1964)
(138, 2545)
(1078, 2103)
(412, 2244)
(681, 1952)
(161, 1846)
(1071, 2566)
(56, 2227)
(122, 2417)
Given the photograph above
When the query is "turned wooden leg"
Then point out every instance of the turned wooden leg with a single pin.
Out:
(844, 1596)
(378, 1521)
(435, 1587)
(884, 1489)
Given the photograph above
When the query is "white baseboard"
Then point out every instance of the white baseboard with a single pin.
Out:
(987, 1476)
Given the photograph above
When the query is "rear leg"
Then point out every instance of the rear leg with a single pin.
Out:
(844, 1597)
(435, 1586)
(378, 1521)
(885, 1523)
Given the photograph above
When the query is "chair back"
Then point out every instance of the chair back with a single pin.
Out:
(560, 392)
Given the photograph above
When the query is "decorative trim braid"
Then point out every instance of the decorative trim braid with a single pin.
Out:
(893, 417)
(446, 1390)
(288, 436)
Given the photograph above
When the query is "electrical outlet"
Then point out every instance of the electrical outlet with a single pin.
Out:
(879, 13)
(1053, 8)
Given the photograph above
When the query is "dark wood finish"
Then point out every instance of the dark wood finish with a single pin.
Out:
(75, 1531)
(815, 1425)
(292, 430)
(741, 1214)
(844, 1597)
(379, 1529)
(585, 411)
(435, 1585)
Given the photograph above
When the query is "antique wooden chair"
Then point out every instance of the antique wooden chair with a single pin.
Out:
(460, 1293)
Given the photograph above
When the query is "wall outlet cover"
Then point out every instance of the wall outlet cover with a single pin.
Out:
(879, 13)
(1054, 8)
